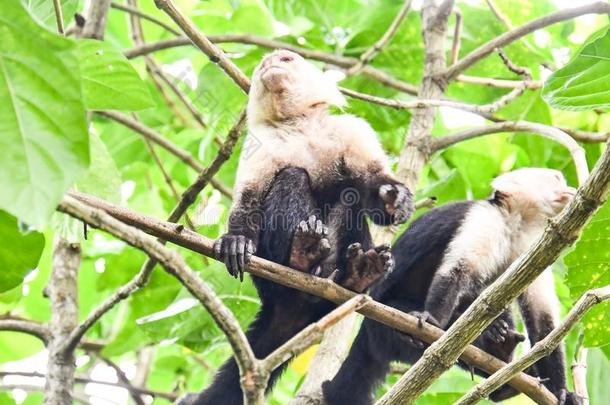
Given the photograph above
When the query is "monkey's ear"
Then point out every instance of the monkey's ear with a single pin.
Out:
(333, 95)
(504, 184)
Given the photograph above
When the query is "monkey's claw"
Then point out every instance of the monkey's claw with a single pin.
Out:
(236, 252)
(365, 268)
(398, 202)
(425, 316)
(566, 397)
(309, 245)
(499, 332)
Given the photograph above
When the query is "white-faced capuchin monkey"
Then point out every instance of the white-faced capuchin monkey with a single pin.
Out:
(443, 262)
(307, 180)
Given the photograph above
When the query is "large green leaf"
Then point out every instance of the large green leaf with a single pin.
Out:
(43, 132)
(44, 11)
(589, 267)
(584, 83)
(19, 253)
(109, 80)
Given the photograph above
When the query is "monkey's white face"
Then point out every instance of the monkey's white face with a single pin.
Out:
(285, 85)
(533, 189)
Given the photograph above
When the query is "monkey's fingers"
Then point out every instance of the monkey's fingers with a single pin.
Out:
(241, 256)
(218, 248)
(234, 269)
(354, 249)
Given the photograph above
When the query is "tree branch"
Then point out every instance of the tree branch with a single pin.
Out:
(555, 134)
(186, 200)
(59, 18)
(141, 14)
(500, 83)
(96, 16)
(313, 285)
(25, 326)
(370, 53)
(313, 333)
(337, 60)
(457, 36)
(215, 54)
(540, 349)
(481, 52)
(175, 265)
(63, 294)
(561, 232)
(84, 380)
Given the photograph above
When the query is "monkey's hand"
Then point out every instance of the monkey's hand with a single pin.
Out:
(499, 332)
(309, 244)
(236, 251)
(425, 316)
(398, 202)
(365, 268)
(566, 397)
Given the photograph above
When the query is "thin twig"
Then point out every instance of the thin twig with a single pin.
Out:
(557, 135)
(500, 83)
(313, 333)
(541, 349)
(337, 60)
(457, 36)
(59, 18)
(85, 380)
(314, 285)
(215, 54)
(141, 14)
(135, 395)
(36, 388)
(370, 53)
(514, 93)
(482, 51)
(499, 15)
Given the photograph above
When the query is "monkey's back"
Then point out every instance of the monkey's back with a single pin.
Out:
(419, 252)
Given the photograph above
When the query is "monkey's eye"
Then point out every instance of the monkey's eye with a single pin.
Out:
(286, 59)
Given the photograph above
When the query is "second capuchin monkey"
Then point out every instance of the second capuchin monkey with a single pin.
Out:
(443, 262)
(306, 182)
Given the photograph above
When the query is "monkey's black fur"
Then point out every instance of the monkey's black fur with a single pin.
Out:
(285, 311)
(418, 253)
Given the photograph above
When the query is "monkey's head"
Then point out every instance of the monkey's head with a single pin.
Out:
(284, 86)
(534, 192)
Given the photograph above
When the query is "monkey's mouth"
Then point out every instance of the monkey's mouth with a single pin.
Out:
(272, 67)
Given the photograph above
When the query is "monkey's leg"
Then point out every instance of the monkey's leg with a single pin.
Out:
(539, 306)
(364, 268)
(500, 339)
(309, 245)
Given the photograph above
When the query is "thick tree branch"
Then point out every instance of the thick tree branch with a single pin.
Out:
(370, 53)
(141, 14)
(481, 52)
(541, 349)
(337, 60)
(314, 285)
(555, 134)
(559, 234)
(175, 265)
(63, 294)
(96, 16)
(215, 54)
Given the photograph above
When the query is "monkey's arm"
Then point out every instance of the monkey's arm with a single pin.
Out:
(444, 292)
(238, 245)
(539, 308)
(385, 198)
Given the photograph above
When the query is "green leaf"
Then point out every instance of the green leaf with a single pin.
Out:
(19, 253)
(43, 134)
(589, 267)
(44, 11)
(103, 179)
(584, 83)
(109, 80)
